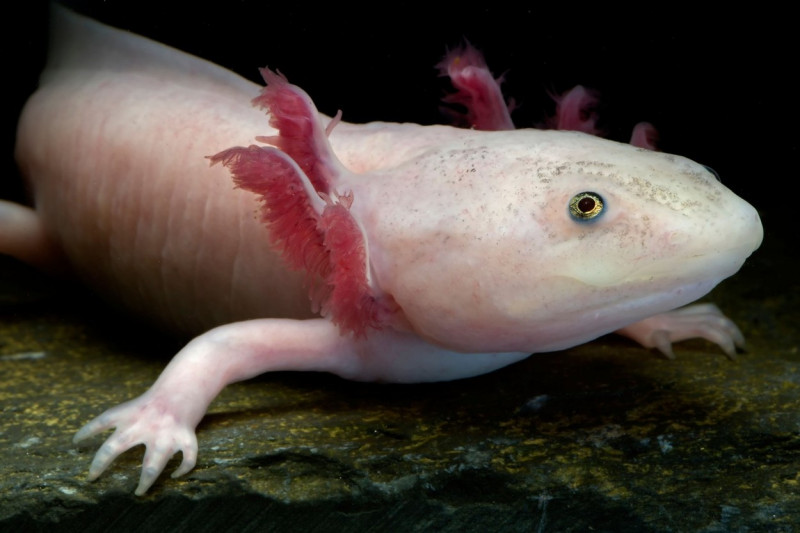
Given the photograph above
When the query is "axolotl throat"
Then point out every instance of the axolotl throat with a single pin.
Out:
(429, 253)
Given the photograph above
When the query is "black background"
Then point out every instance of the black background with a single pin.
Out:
(718, 86)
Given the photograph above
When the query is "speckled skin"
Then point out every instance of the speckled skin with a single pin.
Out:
(468, 231)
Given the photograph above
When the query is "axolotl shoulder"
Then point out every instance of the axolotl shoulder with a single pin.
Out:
(432, 253)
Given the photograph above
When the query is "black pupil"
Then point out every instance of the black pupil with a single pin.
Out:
(586, 204)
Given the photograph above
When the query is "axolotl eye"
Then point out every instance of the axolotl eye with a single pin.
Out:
(586, 206)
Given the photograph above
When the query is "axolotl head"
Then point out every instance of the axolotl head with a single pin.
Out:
(535, 241)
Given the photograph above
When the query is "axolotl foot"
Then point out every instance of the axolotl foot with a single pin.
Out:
(147, 420)
(704, 321)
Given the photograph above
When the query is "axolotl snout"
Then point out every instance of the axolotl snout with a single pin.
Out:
(431, 252)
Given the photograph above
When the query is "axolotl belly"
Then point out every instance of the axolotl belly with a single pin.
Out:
(427, 252)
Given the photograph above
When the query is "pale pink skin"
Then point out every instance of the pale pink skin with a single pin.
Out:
(468, 231)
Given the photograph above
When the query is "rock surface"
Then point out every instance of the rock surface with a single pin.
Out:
(606, 436)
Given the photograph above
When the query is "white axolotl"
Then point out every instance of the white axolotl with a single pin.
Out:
(434, 253)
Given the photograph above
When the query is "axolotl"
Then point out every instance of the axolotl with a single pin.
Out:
(282, 239)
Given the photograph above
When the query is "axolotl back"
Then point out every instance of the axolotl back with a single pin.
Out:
(432, 253)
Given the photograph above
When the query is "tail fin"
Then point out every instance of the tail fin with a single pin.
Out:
(78, 43)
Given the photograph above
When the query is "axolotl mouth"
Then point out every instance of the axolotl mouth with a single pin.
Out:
(664, 285)
(591, 302)
(683, 252)
(710, 267)
(586, 312)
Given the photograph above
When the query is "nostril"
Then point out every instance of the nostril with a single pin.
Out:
(714, 172)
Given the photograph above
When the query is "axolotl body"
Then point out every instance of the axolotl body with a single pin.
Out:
(431, 252)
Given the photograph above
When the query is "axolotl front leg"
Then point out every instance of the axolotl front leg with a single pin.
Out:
(358, 340)
(165, 417)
